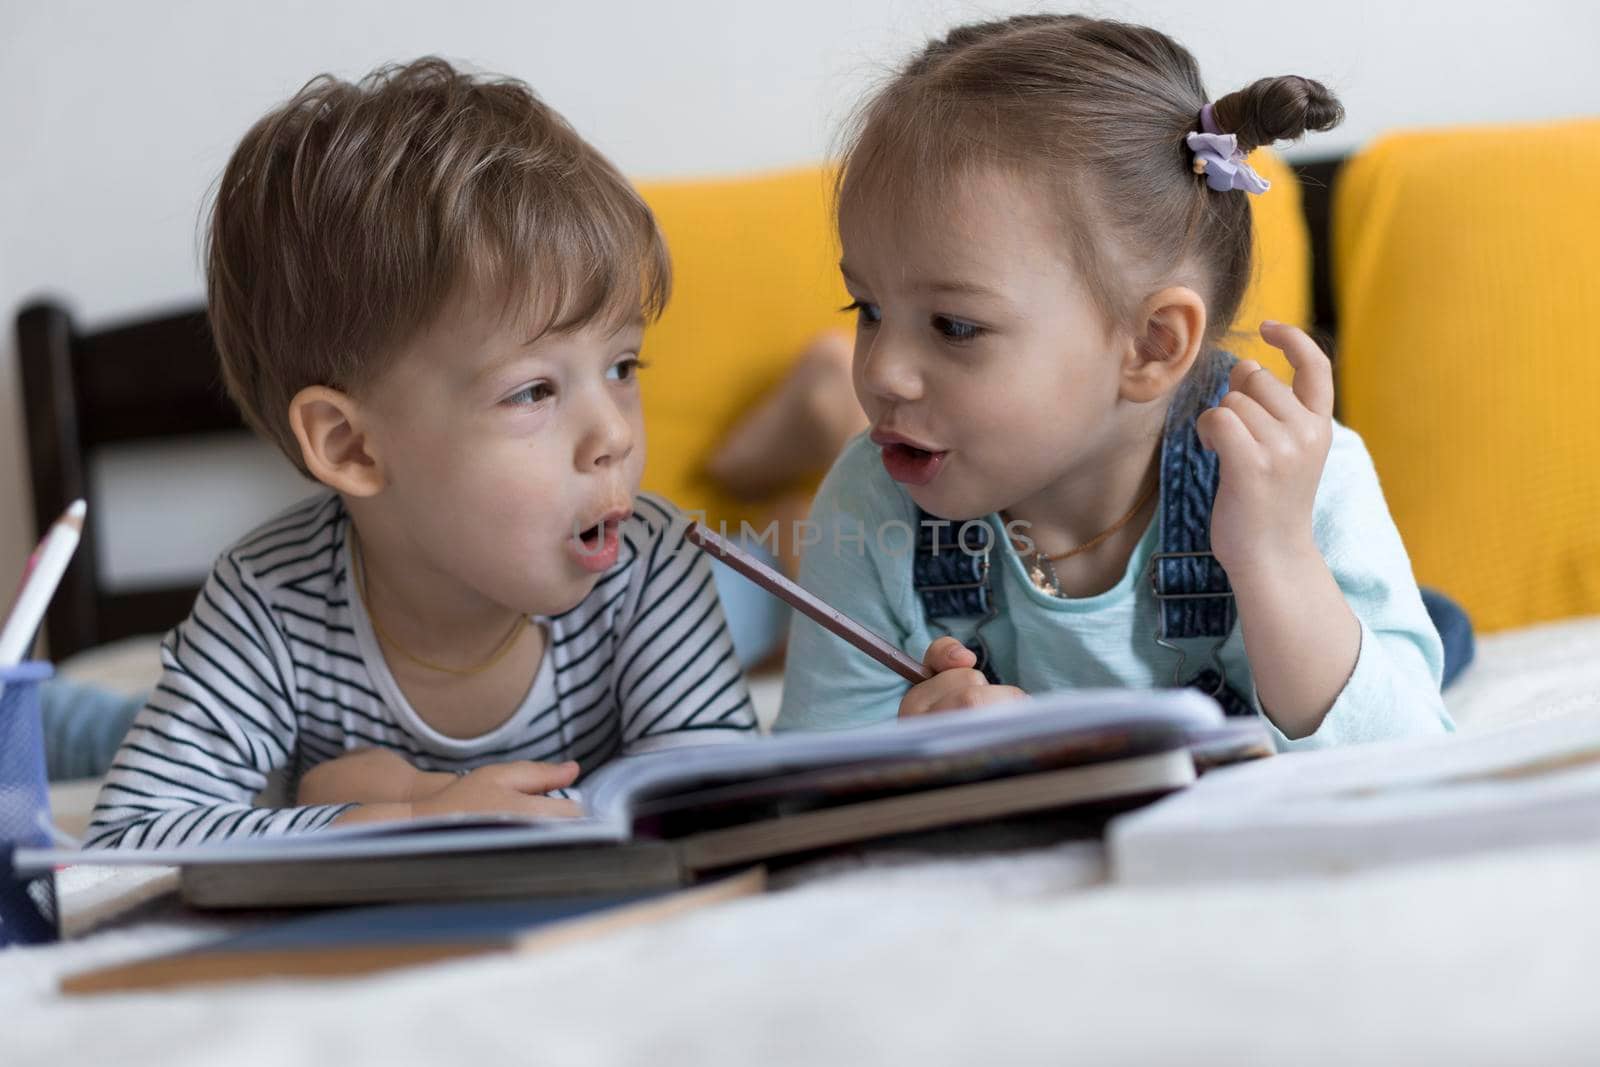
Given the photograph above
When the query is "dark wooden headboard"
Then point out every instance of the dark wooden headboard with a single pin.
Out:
(158, 379)
(154, 379)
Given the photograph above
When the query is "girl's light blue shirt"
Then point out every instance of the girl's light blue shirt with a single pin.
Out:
(860, 563)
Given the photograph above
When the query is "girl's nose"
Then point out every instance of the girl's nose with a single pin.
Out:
(889, 371)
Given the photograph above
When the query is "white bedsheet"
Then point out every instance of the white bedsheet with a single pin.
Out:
(1027, 958)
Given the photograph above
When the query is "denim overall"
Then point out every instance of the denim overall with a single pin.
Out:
(1193, 597)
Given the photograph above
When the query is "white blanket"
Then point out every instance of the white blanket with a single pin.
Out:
(1026, 958)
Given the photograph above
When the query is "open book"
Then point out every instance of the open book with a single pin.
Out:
(1339, 810)
(661, 817)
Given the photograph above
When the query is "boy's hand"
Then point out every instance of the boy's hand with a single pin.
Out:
(385, 786)
(517, 788)
(1271, 442)
(958, 683)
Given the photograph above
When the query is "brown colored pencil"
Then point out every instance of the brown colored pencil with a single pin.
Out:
(828, 618)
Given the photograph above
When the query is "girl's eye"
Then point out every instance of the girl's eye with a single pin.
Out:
(530, 394)
(626, 369)
(866, 314)
(955, 329)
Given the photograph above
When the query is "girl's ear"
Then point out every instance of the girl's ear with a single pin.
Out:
(1172, 325)
(335, 441)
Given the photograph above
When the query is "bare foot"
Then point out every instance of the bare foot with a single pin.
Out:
(796, 430)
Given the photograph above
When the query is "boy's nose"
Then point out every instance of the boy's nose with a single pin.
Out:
(889, 371)
(609, 439)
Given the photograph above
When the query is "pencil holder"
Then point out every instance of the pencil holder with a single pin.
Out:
(27, 904)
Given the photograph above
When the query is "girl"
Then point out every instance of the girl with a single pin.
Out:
(1046, 232)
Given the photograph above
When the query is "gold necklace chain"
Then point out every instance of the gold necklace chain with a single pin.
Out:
(1100, 538)
(1043, 574)
(506, 643)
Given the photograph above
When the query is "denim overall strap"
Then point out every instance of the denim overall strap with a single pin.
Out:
(1193, 597)
(950, 572)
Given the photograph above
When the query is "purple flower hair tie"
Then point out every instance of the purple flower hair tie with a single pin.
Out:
(1217, 155)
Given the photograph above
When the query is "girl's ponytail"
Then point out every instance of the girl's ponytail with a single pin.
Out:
(1276, 109)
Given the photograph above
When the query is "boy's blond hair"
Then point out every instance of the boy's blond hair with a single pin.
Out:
(349, 215)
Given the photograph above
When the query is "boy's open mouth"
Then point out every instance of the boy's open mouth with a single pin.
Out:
(595, 547)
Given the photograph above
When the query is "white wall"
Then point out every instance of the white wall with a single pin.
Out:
(116, 117)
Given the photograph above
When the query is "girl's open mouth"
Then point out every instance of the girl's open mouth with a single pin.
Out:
(912, 465)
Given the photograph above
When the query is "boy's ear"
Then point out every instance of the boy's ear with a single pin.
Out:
(1172, 326)
(335, 441)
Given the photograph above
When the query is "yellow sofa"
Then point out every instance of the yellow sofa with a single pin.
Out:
(1467, 275)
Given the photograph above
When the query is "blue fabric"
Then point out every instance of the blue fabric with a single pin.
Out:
(757, 620)
(950, 567)
(1184, 568)
(83, 727)
(27, 902)
(1455, 631)
(950, 570)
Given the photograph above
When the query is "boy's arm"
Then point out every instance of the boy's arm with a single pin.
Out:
(676, 678)
(369, 776)
(383, 786)
(220, 720)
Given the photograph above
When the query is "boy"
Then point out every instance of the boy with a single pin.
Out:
(428, 291)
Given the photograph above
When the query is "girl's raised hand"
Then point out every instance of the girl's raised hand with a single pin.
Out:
(957, 684)
(1271, 442)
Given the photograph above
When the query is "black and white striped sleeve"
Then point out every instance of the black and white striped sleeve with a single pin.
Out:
(220, 720)
(678, 680)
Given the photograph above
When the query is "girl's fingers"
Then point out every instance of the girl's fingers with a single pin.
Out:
(1222, 432)
(1261, 423)
(948, 654)
(1313, 373)
(1240, 373)
(939, 691)
(1262, 386)
(989, 694)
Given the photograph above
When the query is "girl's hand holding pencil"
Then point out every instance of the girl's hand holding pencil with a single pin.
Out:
(946, 678)
(956, 684)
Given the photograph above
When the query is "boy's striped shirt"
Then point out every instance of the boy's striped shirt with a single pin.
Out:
(277, 670)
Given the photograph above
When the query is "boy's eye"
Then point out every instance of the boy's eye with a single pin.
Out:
(866, 314)
(626, 369)
(530, 394)
(955, 329)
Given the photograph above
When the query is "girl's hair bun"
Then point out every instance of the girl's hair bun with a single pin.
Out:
(1277, 109)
